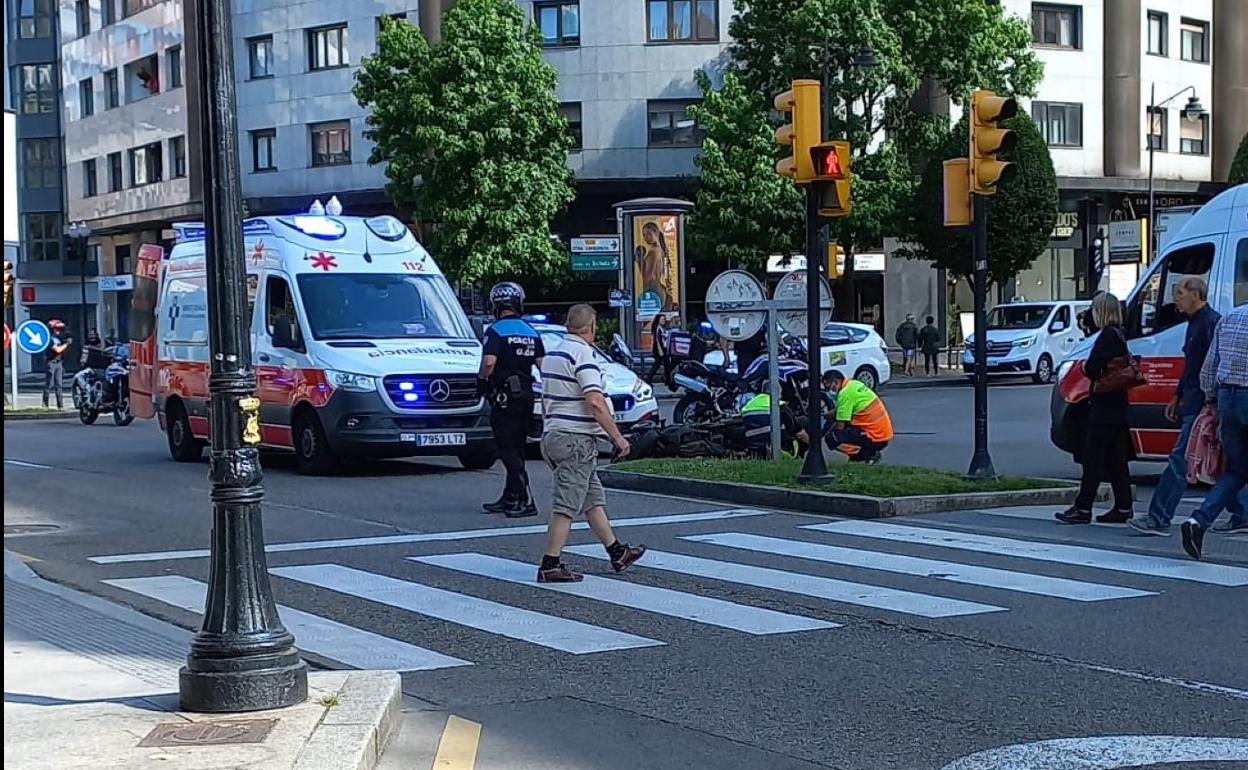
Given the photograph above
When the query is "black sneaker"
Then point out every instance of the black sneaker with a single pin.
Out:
(1115, 516)
(1073, 515)
(1193, 538)
(521, 510)
(500, 505)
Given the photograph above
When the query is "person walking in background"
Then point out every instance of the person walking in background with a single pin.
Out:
(907, 337)
(658, 347)
(929, 342)
(1108, 439)
(1190, 296)
(578, 414)
(54, 377)
(1224, 380)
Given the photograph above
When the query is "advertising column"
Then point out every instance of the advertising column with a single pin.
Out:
(653, 265)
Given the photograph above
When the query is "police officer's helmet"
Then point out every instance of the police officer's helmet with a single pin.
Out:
(506, 296)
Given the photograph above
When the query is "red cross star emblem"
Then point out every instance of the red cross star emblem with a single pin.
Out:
(323, 261)
(257, 254)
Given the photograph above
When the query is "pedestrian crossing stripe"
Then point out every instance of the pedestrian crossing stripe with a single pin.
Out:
(327, 638)
(1077, 555)
(988, 577)
(504, 620)
(843, 591)
(662, 601)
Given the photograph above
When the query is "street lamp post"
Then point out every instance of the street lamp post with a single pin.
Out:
(242, 659)
(79, 233)
(1193, 111)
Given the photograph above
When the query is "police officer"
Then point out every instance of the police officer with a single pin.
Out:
(512, 349)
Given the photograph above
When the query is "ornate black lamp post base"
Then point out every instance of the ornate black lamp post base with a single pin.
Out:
(247, 684)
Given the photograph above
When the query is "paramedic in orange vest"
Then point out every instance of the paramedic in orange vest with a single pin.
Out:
(861, 427)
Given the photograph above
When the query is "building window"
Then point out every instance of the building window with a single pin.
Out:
(90, 179)
(1157, 130)
(260, 57)
(177, 156)
(115, 181)
(1192, 40)
(327, 48)
(34, 18)
(262, 142)
(1061, 125)
(1056, 25)
(112, 90)
(145, 165)
(41, 164)
(559, 21)
(173, 66)
(399, 17)
(331, 143)
(1194, 135)
(108, 12)
(677, 21)
(43, 237)
(82, 12)
(571, 112)
(1158, 27)
(671, 125)
(86, 98)
(37, 90)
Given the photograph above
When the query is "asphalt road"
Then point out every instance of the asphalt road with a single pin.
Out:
(744, 640)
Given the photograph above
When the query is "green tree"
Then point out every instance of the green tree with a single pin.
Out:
(745, 211)
(1021, 215)
(472, 140)
(1239, 166)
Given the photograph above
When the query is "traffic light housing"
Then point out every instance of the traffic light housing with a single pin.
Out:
(836, 261)
(988, 141)
(957, 183)
(832, 175)
(801, 103)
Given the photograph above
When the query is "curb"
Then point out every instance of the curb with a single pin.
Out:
(37, 417)
(355, 731)
(831, 503)
(905, 383)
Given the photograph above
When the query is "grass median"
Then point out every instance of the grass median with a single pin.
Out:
(846, 478)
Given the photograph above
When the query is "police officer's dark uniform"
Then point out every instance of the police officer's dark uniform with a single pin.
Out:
(516, 348)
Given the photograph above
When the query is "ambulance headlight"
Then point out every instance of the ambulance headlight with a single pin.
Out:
(356, 383)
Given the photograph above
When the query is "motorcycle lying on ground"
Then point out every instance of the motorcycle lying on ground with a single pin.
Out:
(713, 394)
(103, 386)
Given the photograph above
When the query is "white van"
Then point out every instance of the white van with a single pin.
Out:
(1028, 339)
(359, 344)
(1212, 245)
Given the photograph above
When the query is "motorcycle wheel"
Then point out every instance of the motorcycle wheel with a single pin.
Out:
(87, 415)
(122, 416)
(77, 395)
(690, 409)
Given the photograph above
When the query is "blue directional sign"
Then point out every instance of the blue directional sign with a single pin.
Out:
(33, 337)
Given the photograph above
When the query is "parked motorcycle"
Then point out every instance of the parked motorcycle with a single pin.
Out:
(99, 391)
(713, 394)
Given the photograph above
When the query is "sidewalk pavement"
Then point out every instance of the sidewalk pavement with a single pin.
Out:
(90, 685)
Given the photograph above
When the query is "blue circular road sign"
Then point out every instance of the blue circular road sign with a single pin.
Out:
(33, 337)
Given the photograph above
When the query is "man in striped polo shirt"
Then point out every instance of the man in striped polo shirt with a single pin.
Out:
(578, 415)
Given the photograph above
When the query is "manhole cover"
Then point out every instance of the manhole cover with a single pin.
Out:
(209, 733)
(28, 529)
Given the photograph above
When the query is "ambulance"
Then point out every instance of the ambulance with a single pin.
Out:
(1212, 244)
(359, 344)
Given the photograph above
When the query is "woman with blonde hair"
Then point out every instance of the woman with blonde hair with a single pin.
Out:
(1107, 446)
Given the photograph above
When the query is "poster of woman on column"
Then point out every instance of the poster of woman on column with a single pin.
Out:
(657, 266)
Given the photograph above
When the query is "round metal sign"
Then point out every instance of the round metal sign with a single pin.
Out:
(736, 305)
(790, 302)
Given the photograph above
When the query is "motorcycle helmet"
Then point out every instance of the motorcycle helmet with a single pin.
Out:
(506, 296)
(57, 326)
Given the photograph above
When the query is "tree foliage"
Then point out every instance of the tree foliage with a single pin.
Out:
(1021, 215)
(472, 139)
(1239, 166)
(745, 211)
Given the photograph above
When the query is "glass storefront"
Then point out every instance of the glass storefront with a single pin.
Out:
(1052, 276)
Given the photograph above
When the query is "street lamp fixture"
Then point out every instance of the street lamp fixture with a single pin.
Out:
(80, 233)
(1194, 110)
(866, 59)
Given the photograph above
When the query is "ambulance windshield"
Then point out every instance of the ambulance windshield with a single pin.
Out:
(372, 306)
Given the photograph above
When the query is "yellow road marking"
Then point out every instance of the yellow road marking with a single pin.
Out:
(458, 748)
(23, 557)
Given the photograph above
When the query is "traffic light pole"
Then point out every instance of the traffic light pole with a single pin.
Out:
(815, 468)
(242, 659)
(981, 461)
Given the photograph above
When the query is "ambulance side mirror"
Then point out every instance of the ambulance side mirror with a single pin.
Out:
(478, 327)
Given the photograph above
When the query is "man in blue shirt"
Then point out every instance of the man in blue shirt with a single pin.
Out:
(1190, 296)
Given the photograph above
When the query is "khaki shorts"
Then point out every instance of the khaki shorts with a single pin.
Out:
(574, 459)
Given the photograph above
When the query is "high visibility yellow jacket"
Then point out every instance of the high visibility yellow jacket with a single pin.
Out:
(858, 405)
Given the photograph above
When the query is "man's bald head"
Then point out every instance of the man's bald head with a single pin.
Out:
(581, 320)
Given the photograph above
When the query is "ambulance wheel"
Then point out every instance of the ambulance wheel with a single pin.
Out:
(183, 446)
(312, 452)
(479, 460)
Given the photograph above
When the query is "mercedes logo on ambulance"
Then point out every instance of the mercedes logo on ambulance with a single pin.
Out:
(439, 390)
